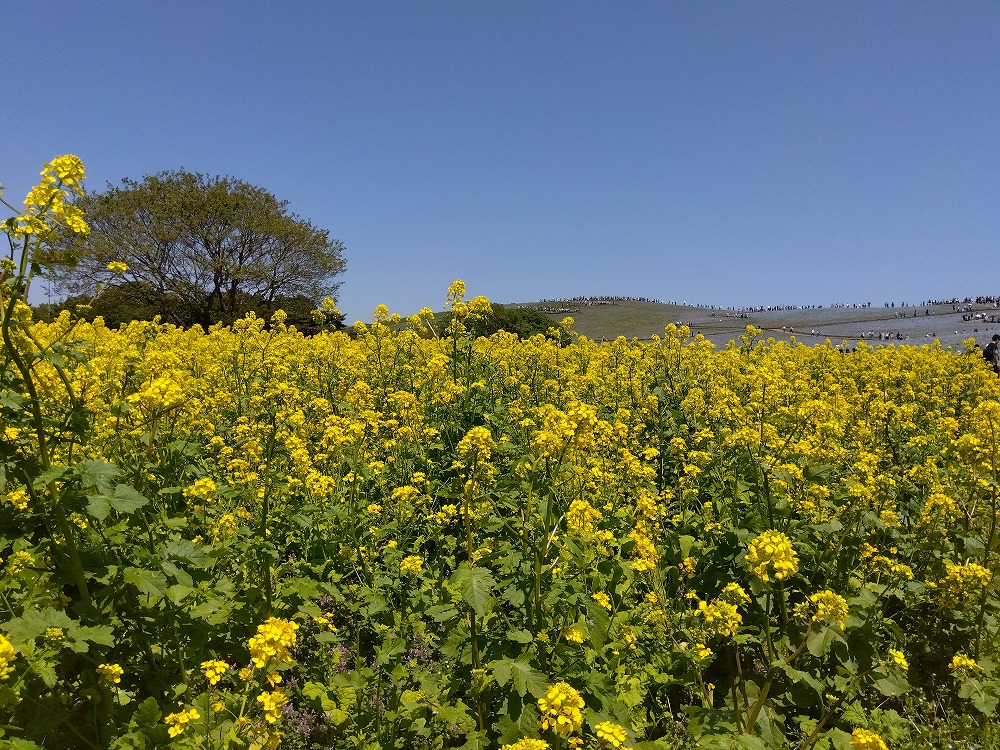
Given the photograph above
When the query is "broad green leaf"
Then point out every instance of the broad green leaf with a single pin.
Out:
(127, 499)
(527, 679)
(152, 583)
(892, 685)
(97, 473)
(475, 585)
(520, 636)
(98, 506)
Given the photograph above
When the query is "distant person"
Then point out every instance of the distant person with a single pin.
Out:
(992, 353)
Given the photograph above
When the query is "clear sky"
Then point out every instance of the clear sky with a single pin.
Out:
(731, 153)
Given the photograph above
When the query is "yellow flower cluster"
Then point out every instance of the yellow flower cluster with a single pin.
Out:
(7, 656)
(111, 673)
(865, 739)
(829, 606)
(47, 201)
(582, 517)
(271, 703)
(962, 666)
(18, 498)
(561, 708)
(411, 565)
(603, 599)
(177, 722)
(721, 617)
(961, 583)
(213, 669)
(610, 734)
(770, 554)
(527, 744)
(899, 659)
(270, 646)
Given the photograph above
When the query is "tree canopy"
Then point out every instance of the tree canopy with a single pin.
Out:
(214, 247)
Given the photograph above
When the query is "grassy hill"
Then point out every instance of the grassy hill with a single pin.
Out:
(635, 319)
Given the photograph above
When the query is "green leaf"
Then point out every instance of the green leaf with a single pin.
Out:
(98, 506)
(149, 582)
(822, 641)
(892, 685)
(475, 585)
(686, 542)
(127, 499)
(501, 670)
(527, 679)
(97, 473)
(520, 636)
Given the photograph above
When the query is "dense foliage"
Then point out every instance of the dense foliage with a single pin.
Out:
(245, 537)
(200, 249)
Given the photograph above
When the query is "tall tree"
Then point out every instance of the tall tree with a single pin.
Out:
(218, 245)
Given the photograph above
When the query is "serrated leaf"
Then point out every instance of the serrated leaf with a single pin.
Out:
(149, 582)
(127, 499)
(97, 473)
(474, 585)
(98, 506)
(188, 551)
(501, 670)
(527, 679)
(520, 636)
(892, 685)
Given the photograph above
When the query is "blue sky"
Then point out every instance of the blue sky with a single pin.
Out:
(716, 152)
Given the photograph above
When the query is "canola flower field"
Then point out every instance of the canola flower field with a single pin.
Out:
(401, 537)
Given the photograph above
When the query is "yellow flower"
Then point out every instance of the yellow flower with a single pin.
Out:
(771, 554)
(411, 565)
(734, 594)
(601, 598)
(962, 582)
(111, 672)
(271, 643)
(7, 655)
(561, 709)
(117, 267)
(865, 739)
(899, 659)
(67, 169)
(18, 498)
(581, 517)
(271, 703)
(54, 635)
(721, 617)
(574, 635)
(527, 744)
(213, 669)
(177, 722)
(610, 734)
(829, 606)
(963, 666)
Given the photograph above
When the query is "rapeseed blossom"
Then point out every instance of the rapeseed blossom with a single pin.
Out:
(411, 565)
(829, 606)
(111, 673)
(962, 666)
(561, 709)
(770, 554)
(865, 739)
(610, 734)
(177, 722)
(213, 669)
(270, 646)
(527, 744)
(7, 656)
(271, 703)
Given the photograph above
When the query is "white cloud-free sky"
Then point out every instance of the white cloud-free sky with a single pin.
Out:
(716, 152)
